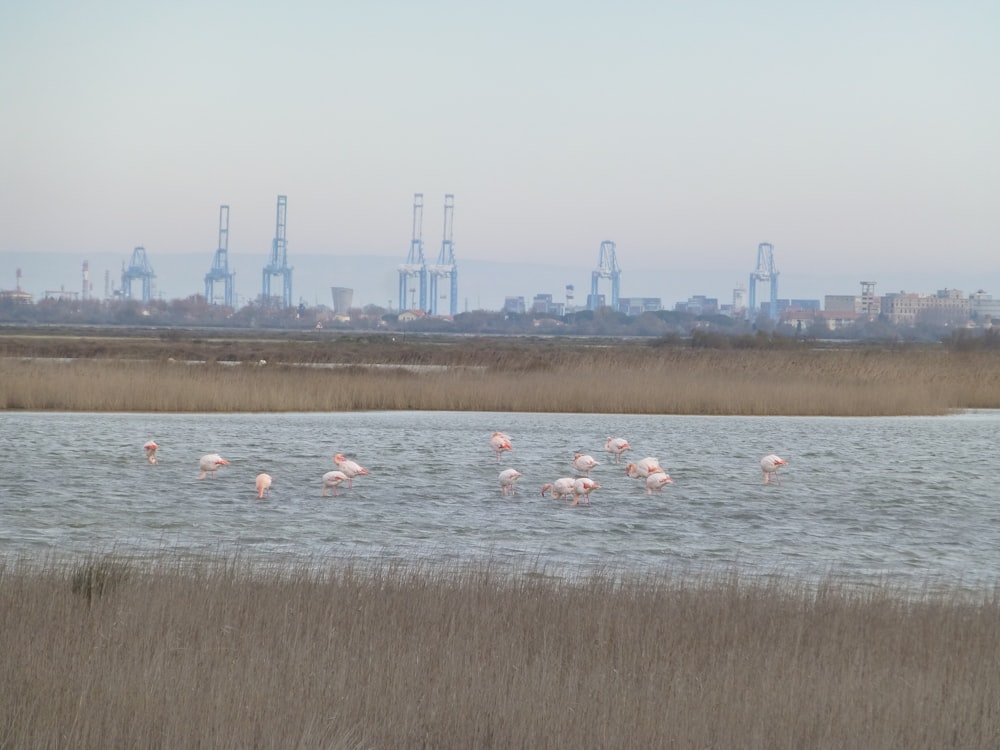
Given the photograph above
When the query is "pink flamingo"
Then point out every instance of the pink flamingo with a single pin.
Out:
(507, 479)
(349, 467)
(263, 483)
(584, 464)
(560, 488)
(332, 480)
(769, 465)
(582, 488)
(617, 446)
(656, 481)
(500, 443)
(151, 447)
(643, 468)
(209, 464)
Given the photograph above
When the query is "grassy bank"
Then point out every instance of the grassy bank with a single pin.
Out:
(218, 654)
(610, 378)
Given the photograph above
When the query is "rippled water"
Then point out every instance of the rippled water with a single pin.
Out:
(908, 499)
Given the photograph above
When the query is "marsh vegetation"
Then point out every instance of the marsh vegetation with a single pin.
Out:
(181, 653)
(180, 374)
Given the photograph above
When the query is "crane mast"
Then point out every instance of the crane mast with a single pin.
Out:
(220, 264)
(415, 268)
(445, 266)
(607, 268)
(278, 265)
(765, 271)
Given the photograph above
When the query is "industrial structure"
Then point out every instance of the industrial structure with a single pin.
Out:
(138, 268)
(342, 297)
(765, 271)
(220, 265)
(414, 271)
(87, 286)
(445, 266)
(607, 268)
(278, 265)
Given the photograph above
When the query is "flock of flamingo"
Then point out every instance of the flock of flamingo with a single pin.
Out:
(576, 490)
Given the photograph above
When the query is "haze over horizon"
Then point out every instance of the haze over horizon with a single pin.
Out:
(859, 139)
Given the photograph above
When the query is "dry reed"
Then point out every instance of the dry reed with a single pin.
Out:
(224, 654)
(603, 380)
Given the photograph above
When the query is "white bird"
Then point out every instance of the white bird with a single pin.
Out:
(263, 484)
(151, 447)
(500, 443)
(769, 465)
(210, 463)
(349, 467)
(507, 479)
(656, 481)
(560, 488)
(617, 446)
(583, 463)
(643, 467)
(582, 488)
(332, 480)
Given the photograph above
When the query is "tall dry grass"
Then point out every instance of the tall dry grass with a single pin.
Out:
(110, 653)
(617, 379)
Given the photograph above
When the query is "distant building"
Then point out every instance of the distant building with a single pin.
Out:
(947, 306)
(699, 304)
(514, 305)
(842, 303)
(638, 305)
(983, 308)
(543, 304)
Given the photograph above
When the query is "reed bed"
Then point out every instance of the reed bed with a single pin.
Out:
(614, 379)
(109, 652)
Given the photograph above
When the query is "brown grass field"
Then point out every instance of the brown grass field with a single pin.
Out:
(117, 653)
(113, 654)
(104, 373)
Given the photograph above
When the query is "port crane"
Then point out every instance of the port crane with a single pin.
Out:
(415, 268)
(278, 265)
(445, 266)
(765, 271)
(138, 268)
(607, 268)
(220, 264)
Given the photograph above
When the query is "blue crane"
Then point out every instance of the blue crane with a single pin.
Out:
(220, 264)
(278, 265)
(446, 262)
(415, 268)
(138, 268)
(607, 268)
(765, 271)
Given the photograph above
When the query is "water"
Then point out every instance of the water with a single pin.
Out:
(911, 500)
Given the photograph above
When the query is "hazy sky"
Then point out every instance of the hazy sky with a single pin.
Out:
(851, 135)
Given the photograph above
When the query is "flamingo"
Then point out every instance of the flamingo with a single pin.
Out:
(582, 487)
(507, 479)
(263, 483)
(559, 488)
(151, 447)
(656, 481)
(210, 463)
(643, 467)
(617, 446)
(332, 480)
(349, 467)
(584, 464)
(500, 443)
(769, 465)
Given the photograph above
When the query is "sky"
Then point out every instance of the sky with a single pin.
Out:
(856, 137)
